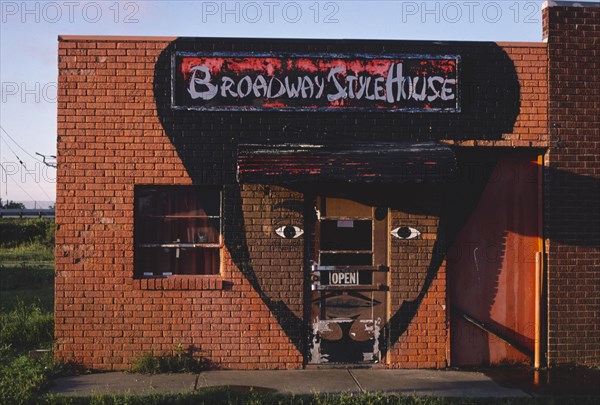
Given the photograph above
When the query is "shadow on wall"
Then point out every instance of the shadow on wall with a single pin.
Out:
(206, 142)
(488, 186)
(481, 171)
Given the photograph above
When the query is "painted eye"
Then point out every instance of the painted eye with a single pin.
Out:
(289, 232)
(405, 233)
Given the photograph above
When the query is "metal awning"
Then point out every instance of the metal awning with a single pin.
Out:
(359, 163)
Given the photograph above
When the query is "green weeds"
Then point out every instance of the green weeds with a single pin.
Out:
(18, 232)
(31, 282)
(21, 378)
(26, 308)
(180, 361)
(26, 327)
(32, 253)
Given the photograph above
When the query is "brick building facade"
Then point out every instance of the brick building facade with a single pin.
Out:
(449, 261)
(572, 216)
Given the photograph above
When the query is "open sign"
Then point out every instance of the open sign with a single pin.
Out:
(343, 278)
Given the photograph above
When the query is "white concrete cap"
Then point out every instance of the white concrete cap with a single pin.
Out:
(552, 3)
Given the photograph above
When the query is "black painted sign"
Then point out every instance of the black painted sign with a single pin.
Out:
(405, 83)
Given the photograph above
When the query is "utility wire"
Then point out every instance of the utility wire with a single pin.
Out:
(43, 191)
(16, 143)
(23, 164)
(18, 185)
(14, 153)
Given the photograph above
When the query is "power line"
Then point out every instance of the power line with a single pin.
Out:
(23, 164)
(12, 150)
(43, 191)
(18, 185)
(20, 147)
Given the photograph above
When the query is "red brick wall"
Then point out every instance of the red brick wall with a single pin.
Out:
(275, 263)
(418, 280)
(116, 130)
(573, 185)
(109, 140)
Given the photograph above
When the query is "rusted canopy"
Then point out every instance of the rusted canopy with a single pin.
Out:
(359, 163)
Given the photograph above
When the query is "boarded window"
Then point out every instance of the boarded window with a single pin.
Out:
(177, 230)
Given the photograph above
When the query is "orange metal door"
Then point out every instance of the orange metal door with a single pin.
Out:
(491, 269)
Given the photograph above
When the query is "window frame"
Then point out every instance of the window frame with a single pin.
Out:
(140, 273)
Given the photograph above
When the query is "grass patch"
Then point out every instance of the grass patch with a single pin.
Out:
(26, 308)
(27, 283)
(15, 232)
(32, 253)
(26, 275)
(180, 361)
(21, 378)
(26, 327)
(42, 297)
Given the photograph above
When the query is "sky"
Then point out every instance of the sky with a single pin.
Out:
(29, 36)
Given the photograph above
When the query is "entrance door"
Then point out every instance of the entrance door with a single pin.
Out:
(348, 282)
(492, 269)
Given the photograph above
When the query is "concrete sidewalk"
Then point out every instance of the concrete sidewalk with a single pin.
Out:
(407, 382)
